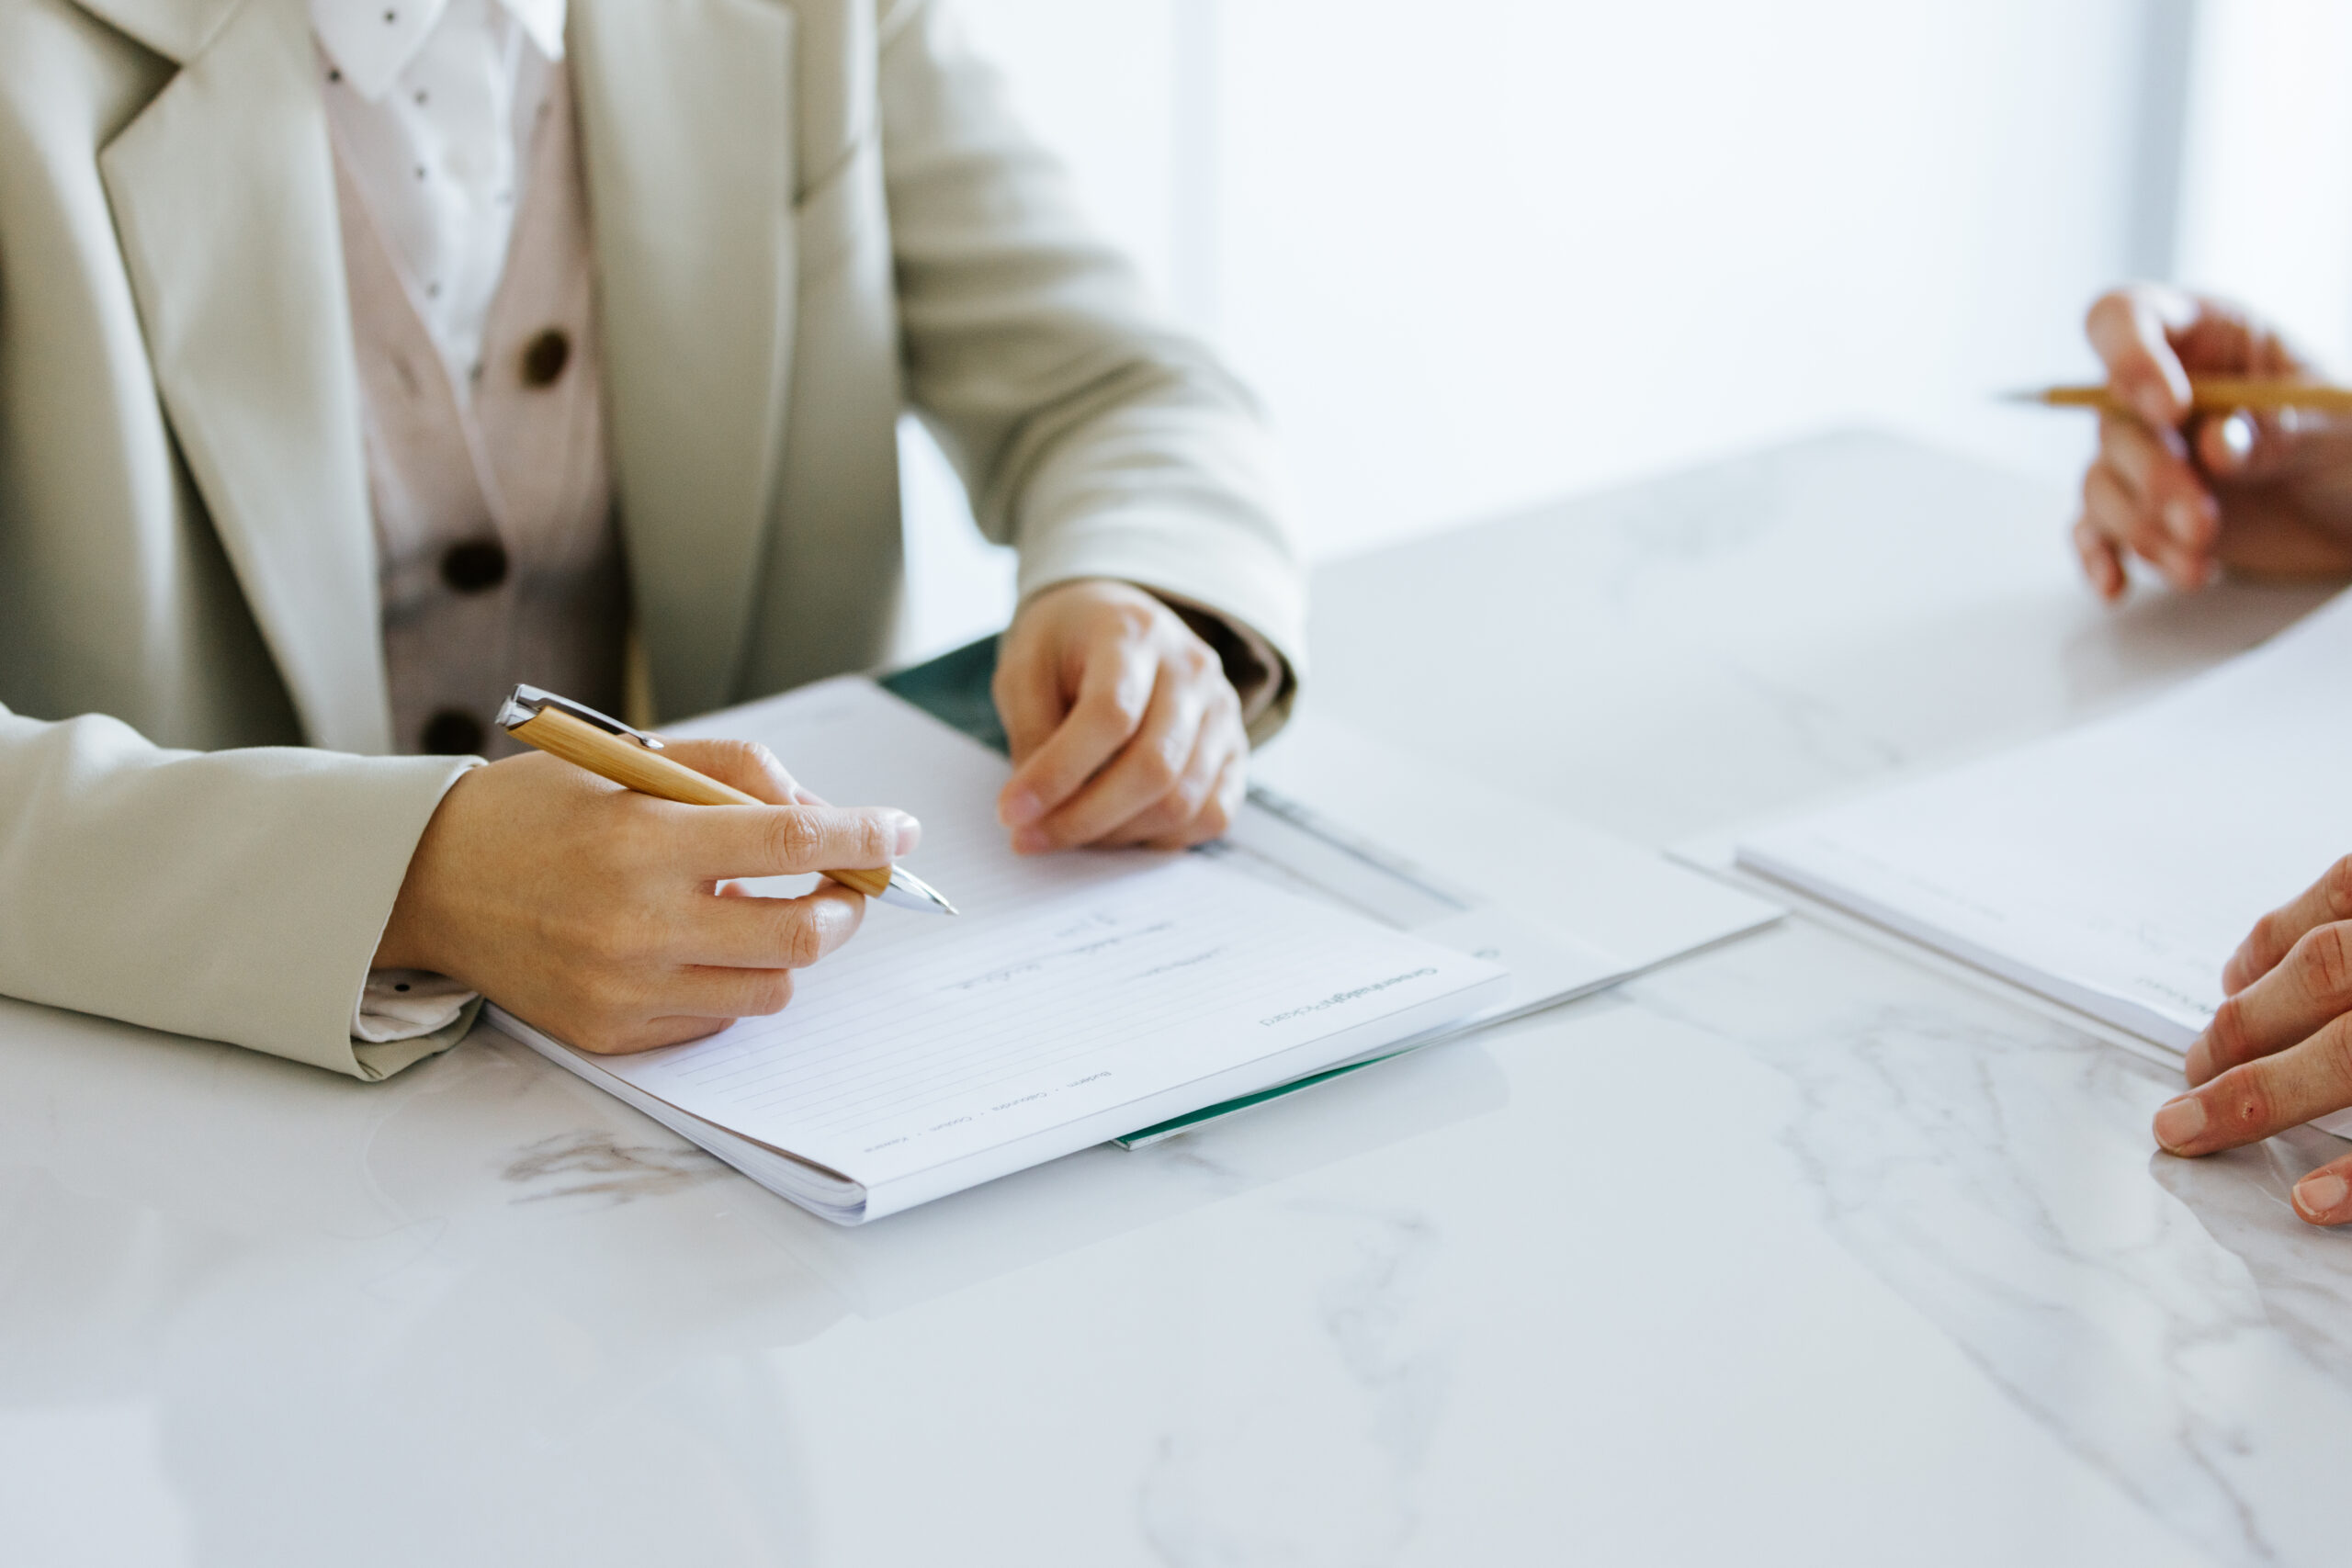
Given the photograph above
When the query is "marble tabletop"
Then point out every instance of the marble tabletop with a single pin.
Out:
(1802, 1250)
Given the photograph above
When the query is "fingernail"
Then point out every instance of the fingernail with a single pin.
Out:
(2237, 437)
(2179, 1121)
(2180, 517)
(910, 834)
(1031, 841)
(1022, 808)
(2319, 1195)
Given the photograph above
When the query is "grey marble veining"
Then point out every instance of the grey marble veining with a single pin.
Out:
(1799, 1251)
(1994, 1168)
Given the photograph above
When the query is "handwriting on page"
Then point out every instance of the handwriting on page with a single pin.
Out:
(875, 1052)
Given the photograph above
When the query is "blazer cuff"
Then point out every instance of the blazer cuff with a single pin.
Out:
(236, 895)
(1261, 677)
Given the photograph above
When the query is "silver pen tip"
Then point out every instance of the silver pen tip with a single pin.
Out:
(911, 892)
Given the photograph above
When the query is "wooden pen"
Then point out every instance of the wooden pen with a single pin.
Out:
(634, 759)
(2208, 394)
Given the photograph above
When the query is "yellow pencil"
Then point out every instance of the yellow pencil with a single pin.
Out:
(2208, 394)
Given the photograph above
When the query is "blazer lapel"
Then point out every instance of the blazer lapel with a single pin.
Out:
(686, 128)
(224, 194)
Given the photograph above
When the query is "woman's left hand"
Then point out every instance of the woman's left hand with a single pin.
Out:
(2278, 1052)
(1123, 728)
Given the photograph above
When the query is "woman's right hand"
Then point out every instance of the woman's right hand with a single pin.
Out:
(605, 918)
(2266, 494)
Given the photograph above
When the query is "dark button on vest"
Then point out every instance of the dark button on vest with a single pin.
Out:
(452, 732)
(545, 357)
(474, 565)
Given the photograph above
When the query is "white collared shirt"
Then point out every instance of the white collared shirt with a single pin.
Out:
(431, 102)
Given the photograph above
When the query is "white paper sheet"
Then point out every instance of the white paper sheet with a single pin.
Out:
(2115, 867)
(1076, 998)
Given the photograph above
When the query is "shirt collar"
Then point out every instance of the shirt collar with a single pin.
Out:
(372, 42)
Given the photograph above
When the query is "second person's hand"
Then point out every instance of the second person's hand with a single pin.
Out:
(1123, 728)
(2278, 1051)
(2269, 494)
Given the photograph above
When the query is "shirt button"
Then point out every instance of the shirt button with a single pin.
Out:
(473, 566)
(545, 357)
(452, 732)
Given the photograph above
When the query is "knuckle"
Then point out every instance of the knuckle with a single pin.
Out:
(770, 993)
(1128, 701)
(1158, 768)
(803, 943)
(2336, 889)
(1190, 794)
(762, 762)
(741, 762)
(795, 839)
(2324, 960)
(2331, 1058)
(876, 840)
(1138, 618)
(2226, 1035)
(2267, 937)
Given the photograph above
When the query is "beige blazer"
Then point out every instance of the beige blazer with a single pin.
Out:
(807, 216)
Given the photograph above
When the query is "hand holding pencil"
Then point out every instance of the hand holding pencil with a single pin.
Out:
(613, 919)
(2219, 448)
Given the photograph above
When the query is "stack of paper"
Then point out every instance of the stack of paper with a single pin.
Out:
(2116, 867)
(1076, 998)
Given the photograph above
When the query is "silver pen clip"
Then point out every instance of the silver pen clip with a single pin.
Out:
(526, 703)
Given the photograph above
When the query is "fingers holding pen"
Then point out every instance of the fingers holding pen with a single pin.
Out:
(2132, 330)
(2144, 495)
(716, 842)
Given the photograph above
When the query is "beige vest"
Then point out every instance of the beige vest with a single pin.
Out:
(496, 550)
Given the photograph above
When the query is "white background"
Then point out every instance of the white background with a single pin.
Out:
(1480, 254)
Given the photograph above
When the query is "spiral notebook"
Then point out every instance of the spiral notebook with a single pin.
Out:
(1076, 999)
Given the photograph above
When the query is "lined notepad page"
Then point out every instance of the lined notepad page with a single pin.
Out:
(2115, 867)
(1071, 988)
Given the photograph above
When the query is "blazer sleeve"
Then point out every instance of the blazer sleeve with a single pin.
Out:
(1090, 435)
(235, 894)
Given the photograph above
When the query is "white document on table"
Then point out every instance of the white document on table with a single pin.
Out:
(2115, 867)
(1076, 998)
(1568, 910)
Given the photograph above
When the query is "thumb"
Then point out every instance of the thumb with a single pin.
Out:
(1029, 696)
(2132, 330)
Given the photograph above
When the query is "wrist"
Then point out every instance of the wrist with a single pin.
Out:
(412, 930)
